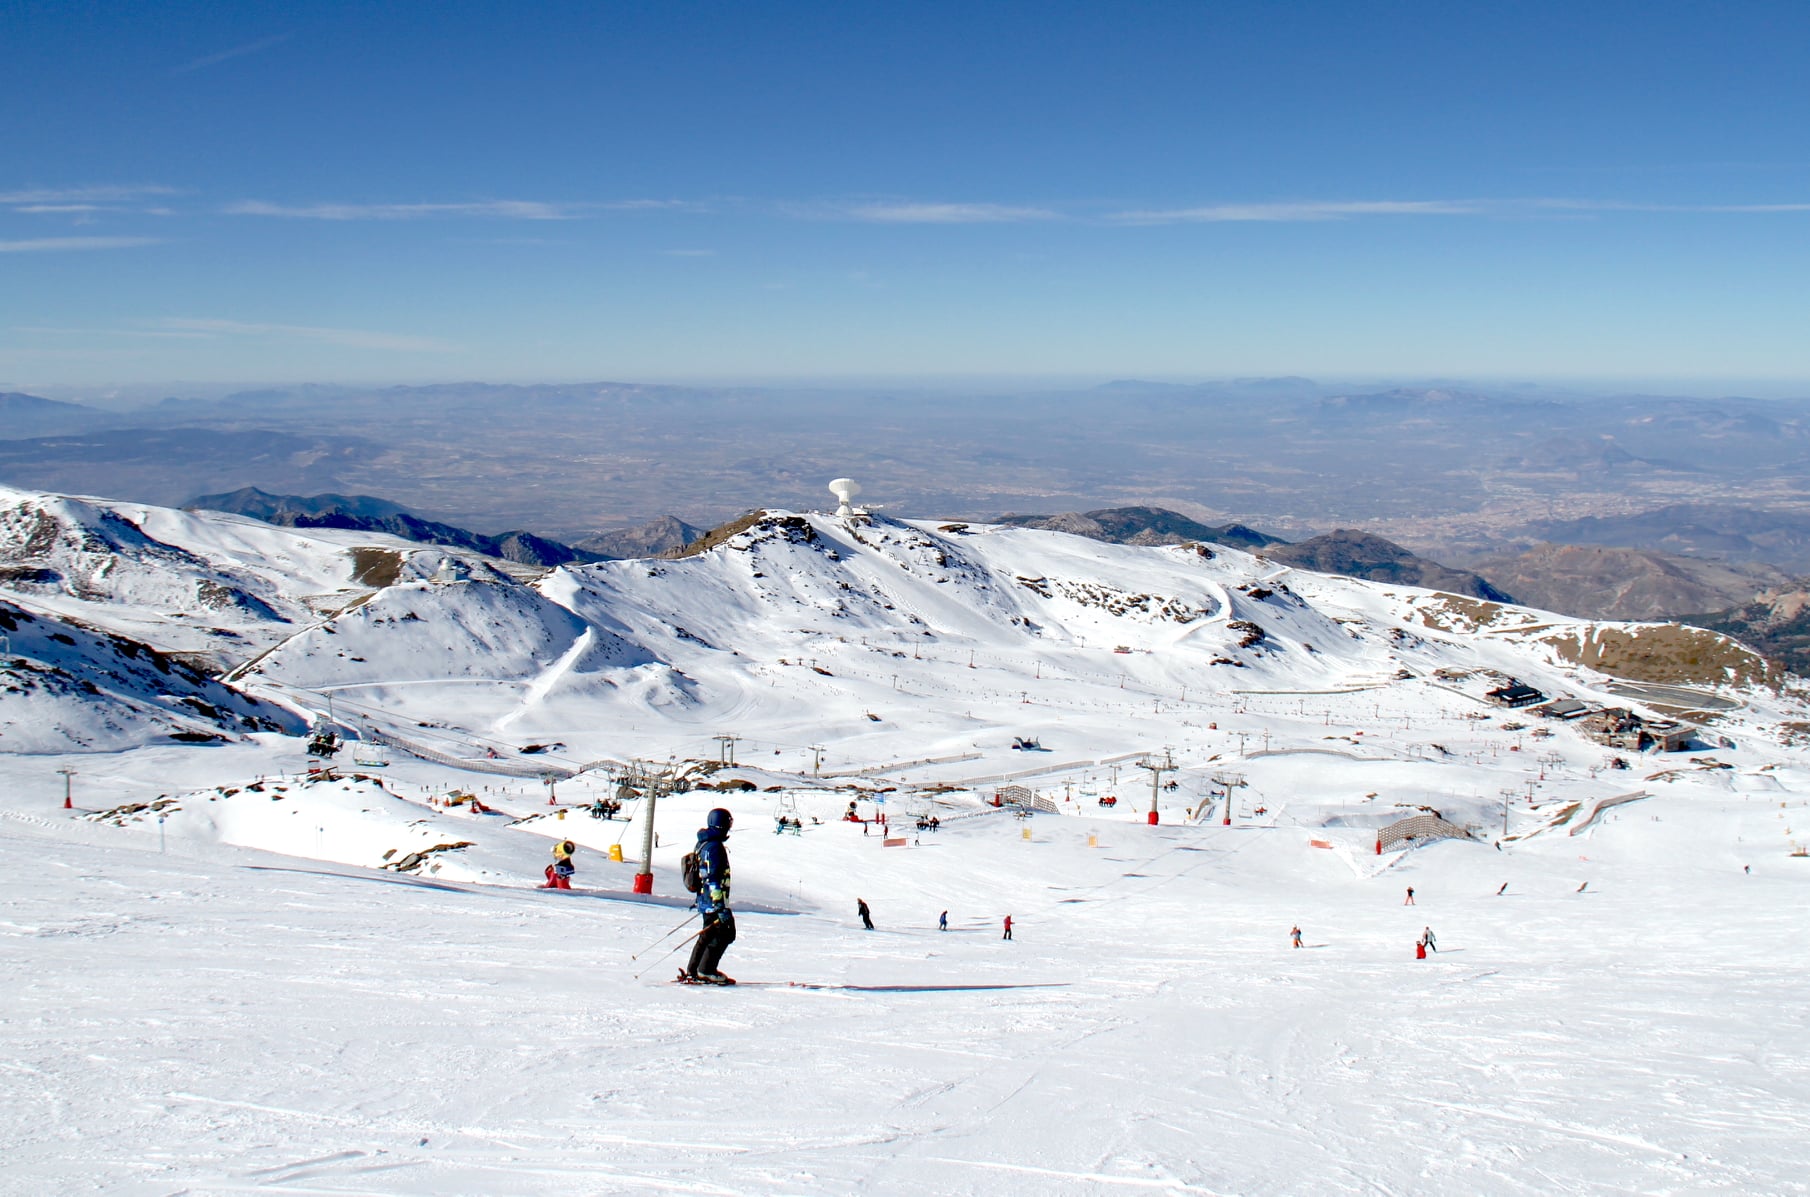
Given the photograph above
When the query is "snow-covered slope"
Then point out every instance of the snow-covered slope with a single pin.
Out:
(401, 1012)
(65, 687)
(194, 581)
(1614, 1011)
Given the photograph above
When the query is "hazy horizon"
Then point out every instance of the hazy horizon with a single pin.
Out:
(125, 396)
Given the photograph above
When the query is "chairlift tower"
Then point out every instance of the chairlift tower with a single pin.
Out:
(654, 786)
(1229, 782)
(1156, 779)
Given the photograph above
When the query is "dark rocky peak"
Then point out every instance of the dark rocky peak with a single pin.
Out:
(1355, 554)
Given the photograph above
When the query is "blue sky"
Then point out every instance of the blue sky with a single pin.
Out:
(675, 191)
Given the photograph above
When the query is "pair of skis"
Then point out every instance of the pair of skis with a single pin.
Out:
(683, 979)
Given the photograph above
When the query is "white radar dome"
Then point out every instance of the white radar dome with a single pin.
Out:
(845, 490)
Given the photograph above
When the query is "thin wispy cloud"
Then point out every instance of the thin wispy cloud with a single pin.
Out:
(39, 330)
(1299, 211)
(44, 245)
(84, 195)
(480, 209)
(930, 213)
(209, 60)
(353, 338)
(1307, 211)
(1574, 205)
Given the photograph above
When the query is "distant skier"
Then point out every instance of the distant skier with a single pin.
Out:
(1008, 934)
(1426, 937)
(712, 902)
(867, 919)
(1747, 868)
(1420, 949)
(1294, 936)
(1503, 890)
(1409, 900)
(1580, 889)
(942, 922)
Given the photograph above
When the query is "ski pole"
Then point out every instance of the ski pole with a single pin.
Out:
(671, 950)
(650, 947)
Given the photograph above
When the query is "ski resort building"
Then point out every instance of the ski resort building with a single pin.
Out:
(1515, 694)
(1618, 727)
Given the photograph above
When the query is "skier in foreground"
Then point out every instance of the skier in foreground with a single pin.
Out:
(712, 903)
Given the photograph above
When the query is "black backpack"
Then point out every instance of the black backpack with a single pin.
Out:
(688, 869)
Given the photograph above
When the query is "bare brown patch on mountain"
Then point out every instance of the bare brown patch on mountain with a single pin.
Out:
(714, 537)
(376, 567)
(1664, 653)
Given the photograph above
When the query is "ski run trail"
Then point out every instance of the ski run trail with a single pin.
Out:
(224, 976)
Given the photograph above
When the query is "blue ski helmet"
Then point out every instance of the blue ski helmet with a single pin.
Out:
(720, 820)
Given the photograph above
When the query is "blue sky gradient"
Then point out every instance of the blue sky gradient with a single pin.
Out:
(676, 191)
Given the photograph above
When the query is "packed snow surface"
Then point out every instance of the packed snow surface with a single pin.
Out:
(213, 1020)
(226, 974)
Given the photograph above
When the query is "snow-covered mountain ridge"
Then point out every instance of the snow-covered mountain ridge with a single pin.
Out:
(895, 639)
(1228, 751)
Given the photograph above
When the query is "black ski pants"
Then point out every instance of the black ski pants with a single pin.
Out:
(707, 950)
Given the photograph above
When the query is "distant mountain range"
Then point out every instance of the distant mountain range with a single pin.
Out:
(1348, 553)
(645, 540)
(286, 510)
(364, 513)
(24, 415)
(1357, 554)
(1622, 583)
(1141, 525)
(1780, 538)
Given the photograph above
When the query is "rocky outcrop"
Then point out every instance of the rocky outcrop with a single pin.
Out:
(1355, 554)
